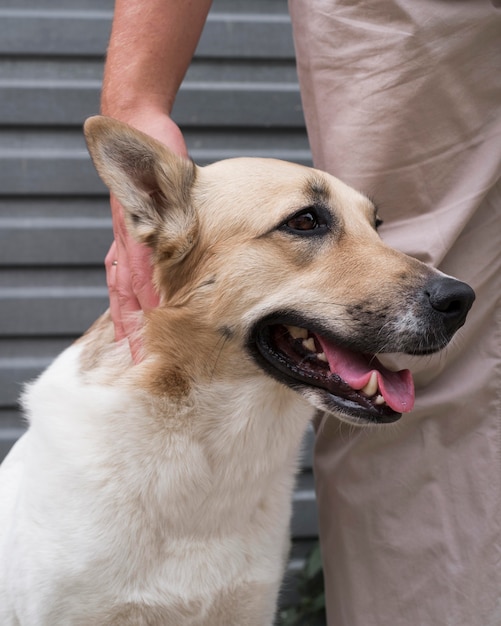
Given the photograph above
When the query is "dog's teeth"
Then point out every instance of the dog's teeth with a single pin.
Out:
(309, 344)
(297, 333)
(321, 357)
(379, 400)
(371, 387)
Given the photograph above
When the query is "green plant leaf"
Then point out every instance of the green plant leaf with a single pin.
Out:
(314, 562)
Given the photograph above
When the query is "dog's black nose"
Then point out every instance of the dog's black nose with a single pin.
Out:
(452, 299)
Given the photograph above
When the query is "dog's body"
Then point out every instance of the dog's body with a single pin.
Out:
(160, 493)
(131, 500)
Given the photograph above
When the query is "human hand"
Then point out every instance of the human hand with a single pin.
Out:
(128, 265)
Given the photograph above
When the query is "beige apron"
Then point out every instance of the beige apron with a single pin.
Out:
(403, 101)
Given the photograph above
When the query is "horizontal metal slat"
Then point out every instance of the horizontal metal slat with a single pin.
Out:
(14, 373)
(11, 419)
(214, 104)
(63, 4)
(47, 32)
(34, 102)
(54, 241)
(239, 104)
(24, 208)
(258, 36)
(22, 360)
(304, 509)
(50, 311)
(86, 33)
(49, 173)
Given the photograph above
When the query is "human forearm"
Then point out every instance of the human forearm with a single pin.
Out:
(151, 46)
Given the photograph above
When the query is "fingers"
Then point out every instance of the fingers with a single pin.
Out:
(123, 303)
(134, 274)
(111, 281)
(129, 280)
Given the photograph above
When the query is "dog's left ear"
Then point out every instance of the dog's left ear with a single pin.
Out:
(152, 184)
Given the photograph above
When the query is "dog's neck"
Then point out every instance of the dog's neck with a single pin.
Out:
(233, 438)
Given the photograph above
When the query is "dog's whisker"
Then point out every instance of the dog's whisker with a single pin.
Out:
(218, 350)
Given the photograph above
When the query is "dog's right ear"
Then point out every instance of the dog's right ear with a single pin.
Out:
(152, 184)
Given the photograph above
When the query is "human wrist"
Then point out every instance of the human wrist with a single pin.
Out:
(134, 107)
(150, 118)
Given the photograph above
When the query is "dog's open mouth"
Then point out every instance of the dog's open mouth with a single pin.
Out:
(352, 384)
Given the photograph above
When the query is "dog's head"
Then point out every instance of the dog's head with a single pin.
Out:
(267, 266)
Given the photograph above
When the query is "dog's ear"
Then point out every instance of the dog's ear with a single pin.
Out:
(152, 184)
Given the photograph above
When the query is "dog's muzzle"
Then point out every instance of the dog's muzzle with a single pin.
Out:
(341, 374)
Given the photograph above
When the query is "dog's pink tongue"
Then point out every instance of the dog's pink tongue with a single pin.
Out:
(397, 388)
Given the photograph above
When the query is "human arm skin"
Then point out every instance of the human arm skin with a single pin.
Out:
(151, 46)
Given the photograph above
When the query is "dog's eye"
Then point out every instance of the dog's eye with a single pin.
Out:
(305, 221)
(379, 222)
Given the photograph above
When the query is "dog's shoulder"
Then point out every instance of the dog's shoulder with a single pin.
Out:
(83, 388)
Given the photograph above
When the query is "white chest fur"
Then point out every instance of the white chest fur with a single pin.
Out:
(120, 498)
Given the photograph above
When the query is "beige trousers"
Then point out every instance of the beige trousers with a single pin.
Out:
(402, 100)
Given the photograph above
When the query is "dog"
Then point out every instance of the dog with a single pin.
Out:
(159, 493)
